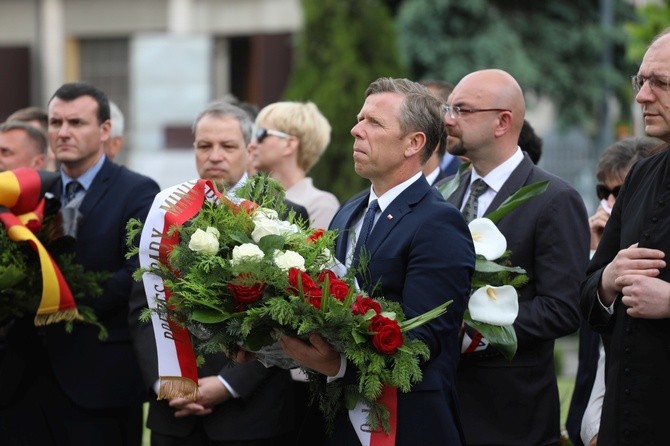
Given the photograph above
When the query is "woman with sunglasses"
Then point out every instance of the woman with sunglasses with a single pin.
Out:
(289, 138)
(584, 416)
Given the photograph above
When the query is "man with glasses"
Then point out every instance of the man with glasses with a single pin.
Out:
(626, 295)
(516, 402)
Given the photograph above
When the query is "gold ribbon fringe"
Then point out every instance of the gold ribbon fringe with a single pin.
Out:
(177, 387)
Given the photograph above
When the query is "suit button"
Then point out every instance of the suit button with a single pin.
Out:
(626, 371)
(626, 349)
(654, 219)
(626, 391)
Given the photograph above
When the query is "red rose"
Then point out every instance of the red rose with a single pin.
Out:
(326, 273)
(387, 337)
(246, 294)
(336, 287)
(362, 304)
(296, 278)
(339, 289)
(316, 235)
(314, 297)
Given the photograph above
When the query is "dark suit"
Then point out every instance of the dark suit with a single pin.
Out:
(74, 383)
(516, 402)
(421, 253)
(637, 350)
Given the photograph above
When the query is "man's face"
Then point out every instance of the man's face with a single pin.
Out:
(18, 150)
(379, 143)
(75, 135)
(654, 98)
(469, 132)
(220, 151)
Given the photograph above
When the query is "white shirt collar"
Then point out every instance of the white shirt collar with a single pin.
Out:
(497, 177)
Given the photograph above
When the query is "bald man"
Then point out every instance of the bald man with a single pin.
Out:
(21, 145)
(626, 296)
(516, 402)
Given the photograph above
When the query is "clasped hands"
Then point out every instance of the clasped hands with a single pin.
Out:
(211, 392)
(634, 273)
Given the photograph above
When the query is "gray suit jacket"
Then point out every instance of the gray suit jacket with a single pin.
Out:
(516, 402)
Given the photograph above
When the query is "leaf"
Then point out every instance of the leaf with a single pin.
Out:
(502, 338)
(209, 317)
(517, 199)
(10, 276)
(271, 242)
(487, 266)
(448, 188)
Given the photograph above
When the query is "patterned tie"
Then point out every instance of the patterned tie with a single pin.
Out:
(71, 190)
(366, 229)
(477, 188)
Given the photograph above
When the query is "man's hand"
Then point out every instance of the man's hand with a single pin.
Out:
(646, 297)
(630, 261)
(317, 355)
(211, 392)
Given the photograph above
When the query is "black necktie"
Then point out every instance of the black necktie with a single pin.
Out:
(366, 229)
(71, 190)
(477, 188)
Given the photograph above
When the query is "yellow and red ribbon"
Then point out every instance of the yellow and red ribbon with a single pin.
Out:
(22, 203)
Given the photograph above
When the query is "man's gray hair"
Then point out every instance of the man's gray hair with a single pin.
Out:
(222, 109)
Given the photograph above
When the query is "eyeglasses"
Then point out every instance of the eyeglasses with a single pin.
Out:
(604, 192)
(261, 133)
(456, 112)
(658, 82)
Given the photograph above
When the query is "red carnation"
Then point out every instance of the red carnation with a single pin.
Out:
(387, 337)
(316, 235)
(362, 304)
(246, 294)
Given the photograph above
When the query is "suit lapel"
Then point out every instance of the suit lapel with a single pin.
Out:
(350, 212)
(99, 187)
(394, 212)
(516, 180)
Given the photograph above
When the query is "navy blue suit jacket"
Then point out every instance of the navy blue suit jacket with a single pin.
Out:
(421, 253)
(94, 373)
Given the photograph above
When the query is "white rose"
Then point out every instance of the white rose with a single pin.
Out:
(263, 227)
(266, 226)
(265, 213)
(246, 251)
(213, 230)
(289, 259)
(205, 242)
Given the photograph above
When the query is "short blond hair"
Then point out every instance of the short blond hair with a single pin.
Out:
(304, 121)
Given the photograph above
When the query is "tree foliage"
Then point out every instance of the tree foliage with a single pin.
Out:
(344, 45)
(652, 19)
(553, 48)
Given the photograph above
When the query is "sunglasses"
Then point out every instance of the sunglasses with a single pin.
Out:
(261, 133)
(604, 192)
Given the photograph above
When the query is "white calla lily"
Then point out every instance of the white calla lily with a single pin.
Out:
(494, 305)
(488, 240)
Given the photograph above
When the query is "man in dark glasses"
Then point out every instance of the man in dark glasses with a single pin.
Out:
(626, 295)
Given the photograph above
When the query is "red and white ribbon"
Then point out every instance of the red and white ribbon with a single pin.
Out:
(171, 208)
